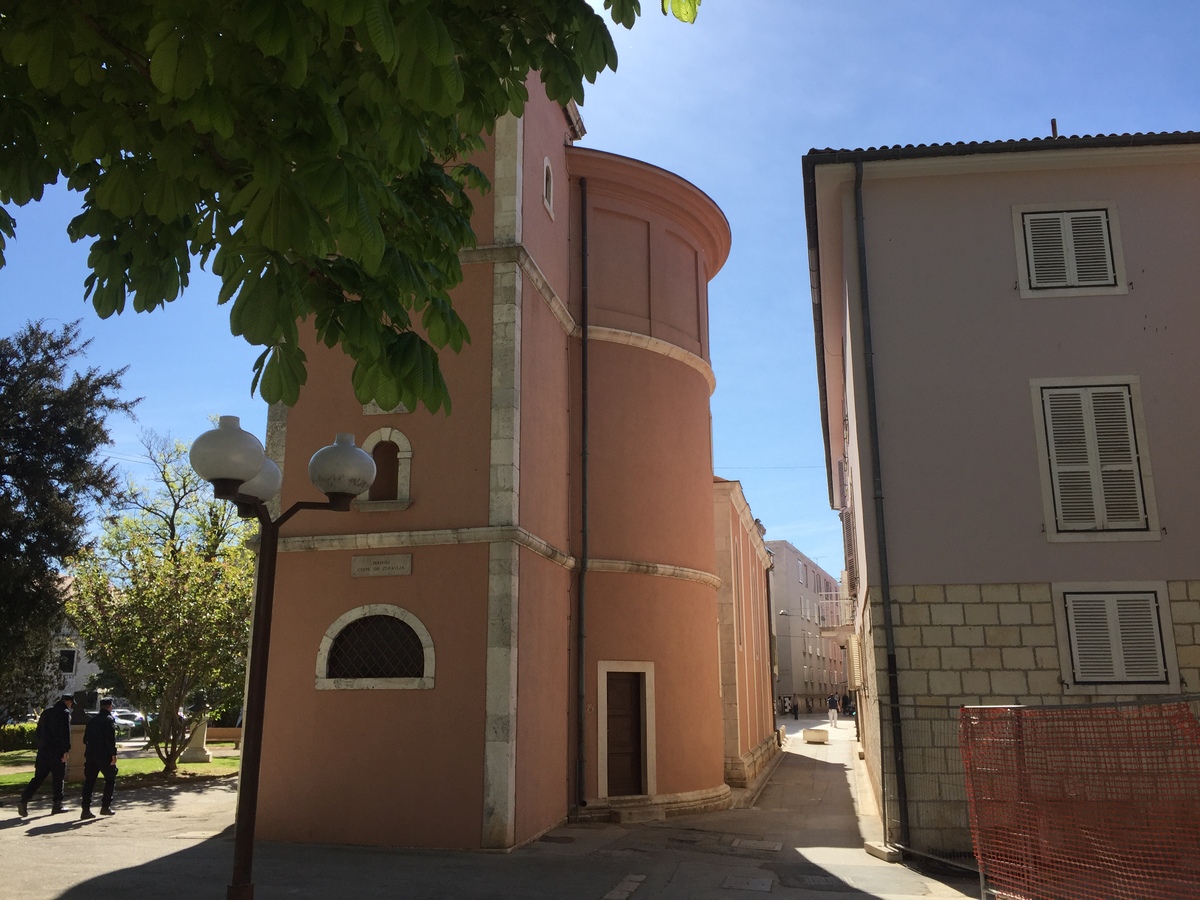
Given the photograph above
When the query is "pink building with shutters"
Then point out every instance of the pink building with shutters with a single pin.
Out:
(474, 653)
(1006, 358)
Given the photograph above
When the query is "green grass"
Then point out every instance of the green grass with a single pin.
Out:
(141, 770)
(18, 758)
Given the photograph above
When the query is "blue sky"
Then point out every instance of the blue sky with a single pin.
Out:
(731, 104)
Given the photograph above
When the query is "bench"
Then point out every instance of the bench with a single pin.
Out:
(221, 735)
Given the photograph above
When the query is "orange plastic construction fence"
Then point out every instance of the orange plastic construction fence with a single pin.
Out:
(1094, 803)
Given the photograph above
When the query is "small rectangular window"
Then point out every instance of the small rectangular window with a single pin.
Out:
(66, 661)
(1068, 251)
(1115, 638)
(1095, 472)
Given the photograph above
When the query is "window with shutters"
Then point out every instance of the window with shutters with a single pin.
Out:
(1095, 471)
(1116, 638)
(1068, 252)
(376, 646)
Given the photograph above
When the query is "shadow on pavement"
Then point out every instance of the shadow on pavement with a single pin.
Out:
(199, 871)
(801, 841)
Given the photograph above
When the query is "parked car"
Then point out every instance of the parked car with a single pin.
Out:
(129, 721)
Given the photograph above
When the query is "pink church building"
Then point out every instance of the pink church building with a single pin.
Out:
(527, 618)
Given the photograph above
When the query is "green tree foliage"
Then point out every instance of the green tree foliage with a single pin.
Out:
(684, 10)
(163, 601)
(52, 430)
(311, 152)
(31, 673)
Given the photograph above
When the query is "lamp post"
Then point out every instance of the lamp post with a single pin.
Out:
(234, 462)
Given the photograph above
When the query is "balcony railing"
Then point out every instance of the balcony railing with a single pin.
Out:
(836, 616)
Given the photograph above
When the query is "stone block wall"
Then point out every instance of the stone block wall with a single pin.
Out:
(741, 771)
(967, 645)
(1185, 610)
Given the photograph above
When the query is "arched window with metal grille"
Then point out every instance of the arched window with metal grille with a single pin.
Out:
(378, 646)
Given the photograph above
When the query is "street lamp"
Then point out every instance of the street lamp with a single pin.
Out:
(233, 461)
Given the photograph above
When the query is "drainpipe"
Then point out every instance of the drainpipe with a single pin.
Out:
(581, 606)
(885, 587)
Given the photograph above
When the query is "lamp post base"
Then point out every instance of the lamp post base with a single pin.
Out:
(240, 892)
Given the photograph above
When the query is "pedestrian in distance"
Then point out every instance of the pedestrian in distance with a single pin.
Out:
(53, 748)
(832, 702)
(99, 758)
(795, 707)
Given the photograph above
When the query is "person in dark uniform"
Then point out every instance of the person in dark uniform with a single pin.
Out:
(53, 747)
(99, 758)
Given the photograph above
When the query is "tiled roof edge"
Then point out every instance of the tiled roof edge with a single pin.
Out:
(968, 148)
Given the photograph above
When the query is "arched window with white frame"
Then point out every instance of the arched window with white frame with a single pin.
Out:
(392, 453)
(376, 647)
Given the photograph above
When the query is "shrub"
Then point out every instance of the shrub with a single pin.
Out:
(18, 737)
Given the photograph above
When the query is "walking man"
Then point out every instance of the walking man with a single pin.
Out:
(53, 747)
(832, 702)
(99, 758)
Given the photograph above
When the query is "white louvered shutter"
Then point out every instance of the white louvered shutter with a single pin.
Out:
(1115, 638)
(1141, 641)
(1071, 470)
(1116, 450)
(1094, 469)
(1092, 649)
(1047, 250)
(1069, 249)
(1091, 250)
(854, 676)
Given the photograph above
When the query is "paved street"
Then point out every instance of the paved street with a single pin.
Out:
(802, 838)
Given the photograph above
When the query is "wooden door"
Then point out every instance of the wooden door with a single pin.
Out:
(625, 739)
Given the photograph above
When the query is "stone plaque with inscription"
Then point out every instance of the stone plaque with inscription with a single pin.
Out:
(383, 564)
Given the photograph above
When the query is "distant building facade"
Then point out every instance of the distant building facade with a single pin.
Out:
(1006, 358)
(74, 665)
(805, 598)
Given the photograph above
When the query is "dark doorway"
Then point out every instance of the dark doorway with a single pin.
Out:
(625, 739)
(387, 467)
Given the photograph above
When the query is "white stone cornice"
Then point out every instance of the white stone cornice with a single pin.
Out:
(516, 253)
(654, 345)
(489, 535)
(659, 569)
(433, 538)
(731, 491)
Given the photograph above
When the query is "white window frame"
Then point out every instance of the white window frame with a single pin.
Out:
(548, 186)
(424, 683)
(374, 409)
(404, 453)
(74, 660)
(1024, 213)
(1141, 461)
(649, 727)
(1103, 598)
